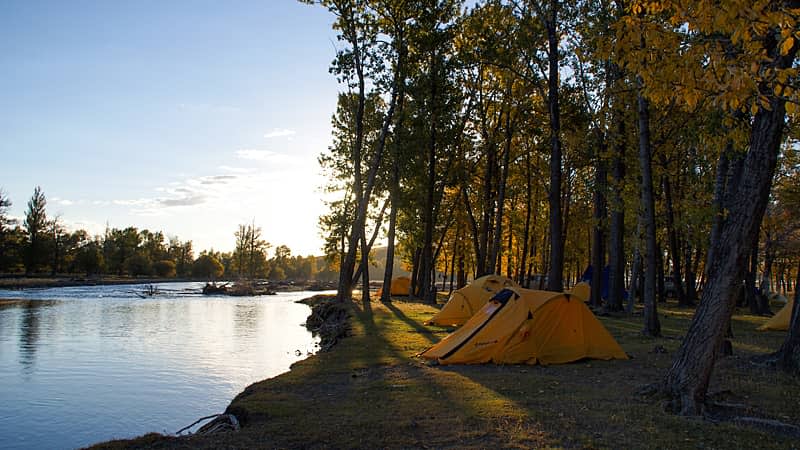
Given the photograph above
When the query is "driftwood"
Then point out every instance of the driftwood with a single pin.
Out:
(148, 291)
(213, 288)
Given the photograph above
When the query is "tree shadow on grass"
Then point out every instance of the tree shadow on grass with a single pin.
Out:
(421, 329)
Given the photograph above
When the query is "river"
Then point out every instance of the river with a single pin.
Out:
(80, 365)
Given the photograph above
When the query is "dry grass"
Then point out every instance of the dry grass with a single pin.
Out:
(371, 392)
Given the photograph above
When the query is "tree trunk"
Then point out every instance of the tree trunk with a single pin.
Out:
(365, 248)
(482, 263)
(647, 218)
(688, 378)
(386, 293)
(635, 280)
(598, 229)
(616, 251)
(555, 273)
(750, 291)
(426, 292)
(717, 203)
(527, 231)
(494, 254)
(674, 248)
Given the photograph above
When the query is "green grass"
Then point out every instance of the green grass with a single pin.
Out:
(371, 392)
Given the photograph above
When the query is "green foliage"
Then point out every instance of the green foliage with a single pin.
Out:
(89, 258)
(139, 265)
(208, 267)
(164, 268)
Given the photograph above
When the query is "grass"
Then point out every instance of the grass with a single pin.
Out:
(371, 392)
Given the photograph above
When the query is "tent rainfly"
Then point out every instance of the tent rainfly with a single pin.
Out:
(400, 286)
(465, 302)
(521, 326)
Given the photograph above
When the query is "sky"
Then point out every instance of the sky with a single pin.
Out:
(188, 117)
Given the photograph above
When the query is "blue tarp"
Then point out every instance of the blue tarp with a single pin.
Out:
(587, 277)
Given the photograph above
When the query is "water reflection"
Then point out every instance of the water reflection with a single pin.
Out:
(99, 363)
(28, 337)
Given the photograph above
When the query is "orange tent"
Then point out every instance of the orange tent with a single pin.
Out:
(400, 286)
(466, 301)
(521, 326)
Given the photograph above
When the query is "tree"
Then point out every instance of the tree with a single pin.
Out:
(36, 227)
(89, 258)
(164, 268)
(5, 231)
(139, 264)
(751, 51)
(207, 266)
(250, 255)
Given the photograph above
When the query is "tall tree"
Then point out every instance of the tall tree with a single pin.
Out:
(36, 227)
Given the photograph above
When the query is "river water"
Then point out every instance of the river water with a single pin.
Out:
(80, 365)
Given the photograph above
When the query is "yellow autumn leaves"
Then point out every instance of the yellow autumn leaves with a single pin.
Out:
(715, 53)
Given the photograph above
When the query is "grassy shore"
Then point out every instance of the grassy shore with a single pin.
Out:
(371, 392)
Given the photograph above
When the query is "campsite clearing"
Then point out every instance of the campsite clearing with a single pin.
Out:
(371, 391)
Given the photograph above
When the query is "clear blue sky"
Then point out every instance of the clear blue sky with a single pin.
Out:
(188, 117)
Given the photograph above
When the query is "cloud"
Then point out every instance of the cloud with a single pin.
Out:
(136, 202)
(255, 155)
(217, 179)
(240, 170)
(185, 201)
(279, 132)
(62, 201)
(278, 161)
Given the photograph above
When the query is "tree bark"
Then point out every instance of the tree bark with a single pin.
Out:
(647, 218)
(674, 248)
(494, 255)
(554, 277)
(527, 232)
(750, 291)
(717, 203)
(616, 251)
(386, 294)
(426, 291)
(598, 229)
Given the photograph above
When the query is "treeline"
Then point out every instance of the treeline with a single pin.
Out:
(43, 245)
(532, 138)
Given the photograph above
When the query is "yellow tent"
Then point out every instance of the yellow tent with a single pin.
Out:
(400, 286)
(582, 290)
(524, 326)
(780, 321)
(465, 302)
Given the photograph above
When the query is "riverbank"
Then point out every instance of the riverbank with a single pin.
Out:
(21, 282)
(371, 392)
